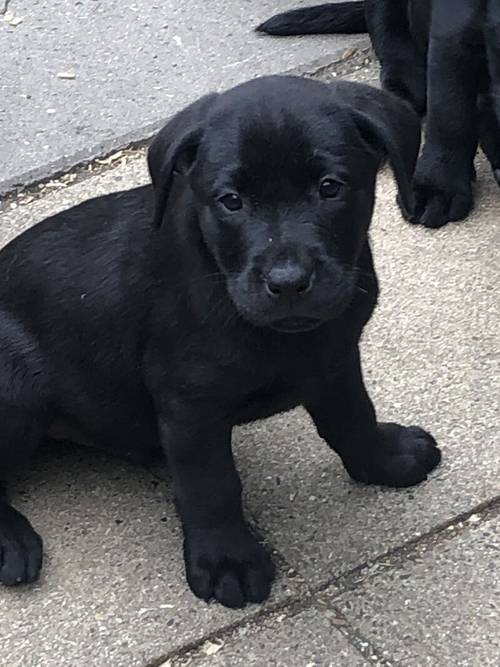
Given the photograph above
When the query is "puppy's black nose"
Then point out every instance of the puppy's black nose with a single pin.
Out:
(288, 281)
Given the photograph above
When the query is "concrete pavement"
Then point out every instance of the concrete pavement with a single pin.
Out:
(440, 607)
(80, 79)
(367, 576)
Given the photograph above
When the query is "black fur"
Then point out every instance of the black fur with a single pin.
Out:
(160, 318)
(443, 57)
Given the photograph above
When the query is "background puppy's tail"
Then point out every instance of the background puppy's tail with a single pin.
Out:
(346, 17)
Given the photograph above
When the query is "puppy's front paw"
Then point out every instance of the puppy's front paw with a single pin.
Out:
(20, 548)
(436, 205)
(229, 566)
(404, 456)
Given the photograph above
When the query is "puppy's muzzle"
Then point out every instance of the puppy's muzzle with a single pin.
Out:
(288, 282)
(287, 287)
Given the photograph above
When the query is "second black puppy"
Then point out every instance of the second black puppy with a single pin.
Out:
(237, 289)
(443, 57)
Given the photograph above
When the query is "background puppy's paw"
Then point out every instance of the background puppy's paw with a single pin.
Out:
(405, 455)
(435, 206)
(20, 548)
(228, 566)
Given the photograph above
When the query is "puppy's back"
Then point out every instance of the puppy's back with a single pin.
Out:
(79, 251)
(76, 286)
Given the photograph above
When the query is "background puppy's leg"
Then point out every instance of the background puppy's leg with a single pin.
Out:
(223, 559)
(492, 39)
(445, 171)
(489, 132)
(402, 60)
(372, 453)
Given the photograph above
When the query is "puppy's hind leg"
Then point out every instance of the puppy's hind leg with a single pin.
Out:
(20, 547)
(23, 421)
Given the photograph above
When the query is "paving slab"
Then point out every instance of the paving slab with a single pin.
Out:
(79, 79)
(306, 639)
(443, 609)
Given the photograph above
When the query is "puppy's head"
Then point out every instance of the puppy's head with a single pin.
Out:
(281, 172)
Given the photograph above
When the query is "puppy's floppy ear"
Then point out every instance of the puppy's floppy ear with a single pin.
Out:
(174, 149)
(391, 130)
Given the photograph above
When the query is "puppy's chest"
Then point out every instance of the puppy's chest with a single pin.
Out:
(263, 402)
(252, 379)
(276, 389)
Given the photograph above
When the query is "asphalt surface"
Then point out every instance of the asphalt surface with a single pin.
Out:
(82, 78)
(367, 576)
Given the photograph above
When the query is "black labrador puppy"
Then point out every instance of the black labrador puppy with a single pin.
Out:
(442, 56)
(237, 287)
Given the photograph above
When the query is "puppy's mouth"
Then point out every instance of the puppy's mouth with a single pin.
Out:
(296, 324)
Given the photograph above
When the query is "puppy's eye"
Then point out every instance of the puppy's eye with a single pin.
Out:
(231, 201)
(329, 189)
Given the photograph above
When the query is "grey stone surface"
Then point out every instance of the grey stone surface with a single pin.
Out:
(443, 609)
(134, 63)
(281, 641)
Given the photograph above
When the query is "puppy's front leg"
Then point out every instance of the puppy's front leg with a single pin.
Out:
(373, 453)
(223, 559)
(445, 171)
(402, 61)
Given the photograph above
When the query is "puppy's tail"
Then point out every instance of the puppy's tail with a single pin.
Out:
(338, 17)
